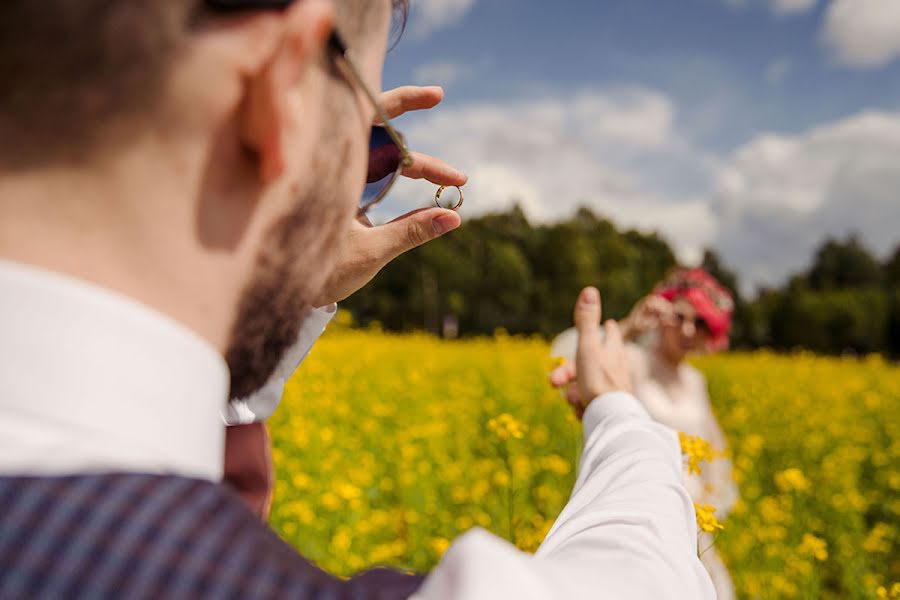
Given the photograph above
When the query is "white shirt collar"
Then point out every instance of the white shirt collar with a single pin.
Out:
(92, 381)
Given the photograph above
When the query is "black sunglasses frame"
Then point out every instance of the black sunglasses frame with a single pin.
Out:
(339, 52)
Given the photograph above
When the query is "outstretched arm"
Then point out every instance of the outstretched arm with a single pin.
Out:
(628, 530)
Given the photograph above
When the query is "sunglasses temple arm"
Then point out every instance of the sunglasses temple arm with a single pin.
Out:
(338, 46)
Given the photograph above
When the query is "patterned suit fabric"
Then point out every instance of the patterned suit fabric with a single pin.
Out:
(145, 536)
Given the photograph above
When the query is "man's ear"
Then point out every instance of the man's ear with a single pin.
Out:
(302, 31)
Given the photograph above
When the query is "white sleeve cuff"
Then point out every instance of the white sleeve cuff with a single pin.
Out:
(260, 406)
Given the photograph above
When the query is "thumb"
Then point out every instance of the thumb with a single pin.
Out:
(411, 230)
(588, 310)
(587, 321)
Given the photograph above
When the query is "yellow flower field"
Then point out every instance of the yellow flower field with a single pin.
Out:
(387, 447)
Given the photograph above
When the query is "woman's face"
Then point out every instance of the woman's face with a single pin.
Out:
(684, 332)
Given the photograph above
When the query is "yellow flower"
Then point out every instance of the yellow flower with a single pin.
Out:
(879, 539)
(540, 435)
(439, 545)
(883, 593)
(347, 491)
(706, 518)
(342, 539)
(330, 500)
(501, 478)
(754, 443)
(301, 481)
(697, 450)
(813, 546)
(506, 426)
(556, 464)
(791, 479)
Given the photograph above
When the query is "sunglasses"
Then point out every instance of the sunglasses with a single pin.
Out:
(699, 322)
(388, 154)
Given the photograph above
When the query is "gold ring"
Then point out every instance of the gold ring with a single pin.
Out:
(437, 197)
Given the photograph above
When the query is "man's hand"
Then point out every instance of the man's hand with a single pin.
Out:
(601, 366)
(369, 249)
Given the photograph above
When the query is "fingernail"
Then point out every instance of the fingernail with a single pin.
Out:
(444, 223)
(591, 296)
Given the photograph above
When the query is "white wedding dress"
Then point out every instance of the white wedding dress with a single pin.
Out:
(678, 398)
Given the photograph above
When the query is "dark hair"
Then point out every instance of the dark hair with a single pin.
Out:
(78, 75)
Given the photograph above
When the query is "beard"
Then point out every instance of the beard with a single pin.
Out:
(291, 267)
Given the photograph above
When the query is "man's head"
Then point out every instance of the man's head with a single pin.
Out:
(204, 162)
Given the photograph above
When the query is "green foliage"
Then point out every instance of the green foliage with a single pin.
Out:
(499, 271)
(893, 318)
(892, 270)
(852, 320)
(844, 303)
(844, 265)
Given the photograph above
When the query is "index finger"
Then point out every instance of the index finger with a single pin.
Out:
(563, 375)
(434, 170)
(612, 335)
(408, 98)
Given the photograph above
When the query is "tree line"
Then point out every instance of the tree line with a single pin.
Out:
(501, 272)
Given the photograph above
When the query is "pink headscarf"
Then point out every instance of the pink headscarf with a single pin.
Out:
(709, 298)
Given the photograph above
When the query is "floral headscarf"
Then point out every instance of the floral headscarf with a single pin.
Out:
(709, 298)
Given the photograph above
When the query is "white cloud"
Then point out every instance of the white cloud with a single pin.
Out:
(632, 117)
(863, 33)
(781, 8)
(553, 154)
(780, 196)
(778, 70)
(443, 73)
(792, 7)
(430, 15)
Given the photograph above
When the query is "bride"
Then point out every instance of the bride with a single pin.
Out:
(688, 313)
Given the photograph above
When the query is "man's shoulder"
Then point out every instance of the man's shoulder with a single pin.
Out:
(164, 507)
(150, 536)
(136, 535)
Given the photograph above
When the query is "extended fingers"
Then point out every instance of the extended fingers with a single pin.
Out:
(434, 170)
(660, 307)
(413, 229)
(588, 310)
(573, 398)
(612, 334)
(408, 98)
(589, 352)
(563, 375)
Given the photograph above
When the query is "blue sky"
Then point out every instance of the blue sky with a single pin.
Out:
(755, 127)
